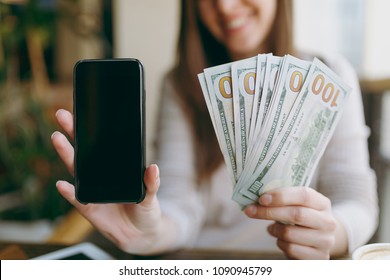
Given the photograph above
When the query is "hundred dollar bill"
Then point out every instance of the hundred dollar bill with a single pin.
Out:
(260, 76)
(293, 158)
(206, 95)
(270, 83)
(243, 85)
(219, 85)
(290, 80)
(273, 63)
(270, 79)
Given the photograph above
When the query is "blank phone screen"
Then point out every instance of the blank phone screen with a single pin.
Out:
(109, 131)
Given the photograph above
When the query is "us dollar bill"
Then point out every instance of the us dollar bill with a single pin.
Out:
(206, 95)
(272, 69)
(243, 84)
(273, 117)
(259, 85)
(308, 128)
(291, 77)
(270, 82)
(219, 85)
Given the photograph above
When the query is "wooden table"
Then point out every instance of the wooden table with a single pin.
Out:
(27, 251)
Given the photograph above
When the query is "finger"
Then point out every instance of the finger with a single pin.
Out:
(296, 251)
(301, 235)
(293, 215)
(152, 182)
(64, 149)
(65, 120)
(67, 191)
(301, 196)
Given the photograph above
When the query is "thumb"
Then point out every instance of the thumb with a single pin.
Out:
(67, 190)
(152, 182)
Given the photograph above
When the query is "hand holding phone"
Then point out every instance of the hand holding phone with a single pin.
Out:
(130, 226)
(109, 131)
(135, 228)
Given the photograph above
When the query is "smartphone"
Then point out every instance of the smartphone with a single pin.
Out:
(109, 122)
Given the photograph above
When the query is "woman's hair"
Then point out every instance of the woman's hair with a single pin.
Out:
(197, 49)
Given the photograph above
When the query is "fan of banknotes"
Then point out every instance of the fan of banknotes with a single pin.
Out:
(273, 117)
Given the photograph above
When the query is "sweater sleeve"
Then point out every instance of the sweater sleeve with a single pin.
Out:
(178, 195)
(344, 172)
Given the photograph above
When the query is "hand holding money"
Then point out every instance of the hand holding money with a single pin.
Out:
(273, 117)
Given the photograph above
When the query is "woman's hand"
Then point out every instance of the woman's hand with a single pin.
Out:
(305, 227)
(135, 228)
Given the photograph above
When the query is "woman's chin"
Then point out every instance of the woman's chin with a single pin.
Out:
(241, 52)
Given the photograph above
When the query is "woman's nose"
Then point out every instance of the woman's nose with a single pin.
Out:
(226, 6)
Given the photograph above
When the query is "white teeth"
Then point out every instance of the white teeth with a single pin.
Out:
(236, 23)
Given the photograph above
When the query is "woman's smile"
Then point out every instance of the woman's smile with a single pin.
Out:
(236, 24)
(242, 26)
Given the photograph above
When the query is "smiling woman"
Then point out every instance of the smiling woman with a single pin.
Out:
(193, 206)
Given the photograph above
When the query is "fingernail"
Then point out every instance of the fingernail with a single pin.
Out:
(265, 199)
(251, 210)
(157, 178)
(58, 112)
(54, 133)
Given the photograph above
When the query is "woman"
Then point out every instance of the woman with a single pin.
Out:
(193, 207)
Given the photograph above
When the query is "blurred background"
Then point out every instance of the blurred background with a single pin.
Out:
(40, 41)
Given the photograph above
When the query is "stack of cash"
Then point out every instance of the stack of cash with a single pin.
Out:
(273, 117)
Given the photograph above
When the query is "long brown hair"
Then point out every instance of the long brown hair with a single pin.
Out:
(197, 49)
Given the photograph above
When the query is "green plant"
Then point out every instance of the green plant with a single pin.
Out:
(29, 166)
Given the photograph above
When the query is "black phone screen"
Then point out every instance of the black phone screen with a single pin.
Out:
(109, 131)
